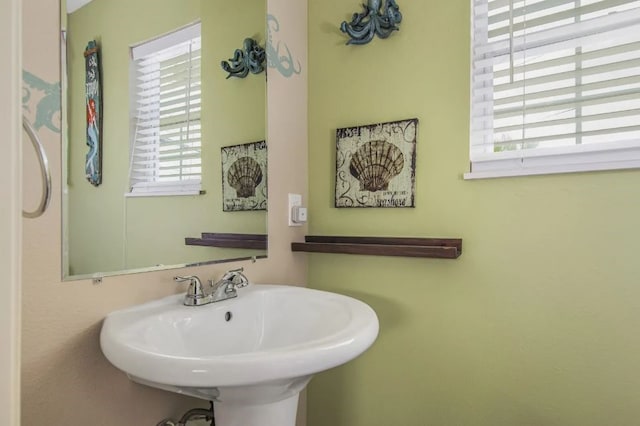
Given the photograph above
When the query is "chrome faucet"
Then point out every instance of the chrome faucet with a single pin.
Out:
(225, 288)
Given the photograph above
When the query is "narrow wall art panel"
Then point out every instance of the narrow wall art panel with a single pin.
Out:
(93, 164)
(244, 177)
(376, 165)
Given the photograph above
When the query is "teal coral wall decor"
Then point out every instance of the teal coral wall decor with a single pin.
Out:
(250, 58)
(375, 20)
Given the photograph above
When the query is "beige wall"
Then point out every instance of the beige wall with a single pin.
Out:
(537, 322)
(65, 378)
(10, 214)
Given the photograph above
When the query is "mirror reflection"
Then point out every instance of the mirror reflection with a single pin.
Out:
(182, 161)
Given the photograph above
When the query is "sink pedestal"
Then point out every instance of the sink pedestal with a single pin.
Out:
(267, 404)
(281, 413)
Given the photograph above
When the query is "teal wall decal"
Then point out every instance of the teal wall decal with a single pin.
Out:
(47, 109)
(284, 63)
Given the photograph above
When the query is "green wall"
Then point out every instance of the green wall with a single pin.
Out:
(110, 232)
(536, 323)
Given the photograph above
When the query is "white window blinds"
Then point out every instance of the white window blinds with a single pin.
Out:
(555, 86)
(165, 122)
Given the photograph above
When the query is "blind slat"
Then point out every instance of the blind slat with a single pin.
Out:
(559, 105)
(558, 18)
(582, 119)
(574, 31)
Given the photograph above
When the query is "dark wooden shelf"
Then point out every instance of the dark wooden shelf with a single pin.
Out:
(441, 248)
(244, 241)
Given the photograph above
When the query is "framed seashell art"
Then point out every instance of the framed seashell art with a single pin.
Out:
(244, 177)
(376, 165)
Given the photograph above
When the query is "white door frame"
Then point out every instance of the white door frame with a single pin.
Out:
(10, 213)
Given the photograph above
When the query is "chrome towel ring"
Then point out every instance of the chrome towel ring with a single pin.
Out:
(44, 169)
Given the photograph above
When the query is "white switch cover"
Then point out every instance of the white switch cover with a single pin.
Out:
(295, 200)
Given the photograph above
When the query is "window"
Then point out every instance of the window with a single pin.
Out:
(555, 86)
(165, 120)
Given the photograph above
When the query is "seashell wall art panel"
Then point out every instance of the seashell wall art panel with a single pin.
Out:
(376, 165)
(244, 177)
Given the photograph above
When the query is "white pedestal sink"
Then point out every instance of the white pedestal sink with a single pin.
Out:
(251, 355)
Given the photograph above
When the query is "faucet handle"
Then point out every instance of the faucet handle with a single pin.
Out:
(195, 292)
(236, 277)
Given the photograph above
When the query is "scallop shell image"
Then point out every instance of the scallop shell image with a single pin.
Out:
(244, 176)
(375, 163)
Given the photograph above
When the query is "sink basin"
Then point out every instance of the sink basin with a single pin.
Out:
(251, 355)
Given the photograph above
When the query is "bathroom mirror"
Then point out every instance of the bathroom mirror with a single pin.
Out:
(106, 230)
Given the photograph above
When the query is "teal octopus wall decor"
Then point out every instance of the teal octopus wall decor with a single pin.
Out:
(250, 58)
(374, 20)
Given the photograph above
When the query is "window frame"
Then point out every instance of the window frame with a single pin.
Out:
(155, 187)
(537, 161)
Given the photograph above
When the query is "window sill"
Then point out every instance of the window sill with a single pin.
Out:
(163, 193)
(553, 169)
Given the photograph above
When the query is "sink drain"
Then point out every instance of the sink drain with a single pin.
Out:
(228, 316)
